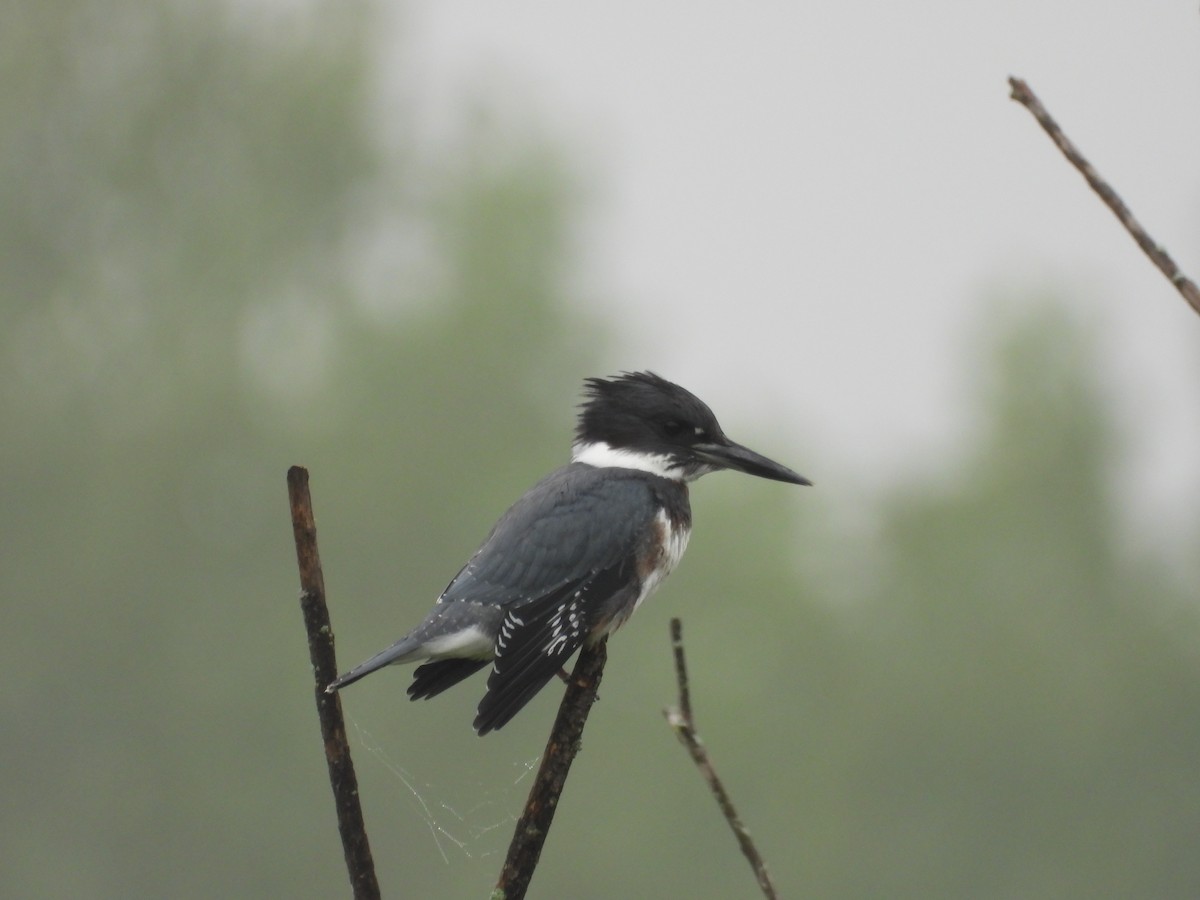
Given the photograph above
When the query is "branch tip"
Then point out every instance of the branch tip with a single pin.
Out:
(342, 779)
(1155, 251)
(681, 721)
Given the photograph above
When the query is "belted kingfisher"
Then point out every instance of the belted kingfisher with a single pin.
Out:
(576, 555)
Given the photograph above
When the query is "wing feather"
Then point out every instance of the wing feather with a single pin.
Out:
(538, 638)
(575, 522)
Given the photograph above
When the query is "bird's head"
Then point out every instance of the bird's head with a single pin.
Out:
(639, 420)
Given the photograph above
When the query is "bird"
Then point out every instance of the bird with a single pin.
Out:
(577, 554)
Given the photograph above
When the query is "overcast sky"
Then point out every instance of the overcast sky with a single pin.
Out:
(822, 204)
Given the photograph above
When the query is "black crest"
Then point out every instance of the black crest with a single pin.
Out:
(628, 408)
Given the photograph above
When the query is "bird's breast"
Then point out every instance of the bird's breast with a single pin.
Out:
(668, 541)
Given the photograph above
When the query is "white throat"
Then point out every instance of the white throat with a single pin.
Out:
(602, 456)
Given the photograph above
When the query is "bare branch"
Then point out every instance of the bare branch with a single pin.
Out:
(1157, 253)
(680, 719)
(355, 846)
(534, 824)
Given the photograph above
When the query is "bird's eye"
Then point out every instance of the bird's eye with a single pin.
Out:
(674, 428)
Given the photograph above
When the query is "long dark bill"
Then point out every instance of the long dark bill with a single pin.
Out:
(734, 456)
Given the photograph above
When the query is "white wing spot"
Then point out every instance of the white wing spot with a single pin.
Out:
(510, 623)
(564, 626)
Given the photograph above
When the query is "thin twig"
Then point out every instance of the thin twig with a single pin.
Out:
(680, 719)
(355, 846)
(1157, 253)
(534, 824)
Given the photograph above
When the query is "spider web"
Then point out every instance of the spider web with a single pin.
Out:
(471, 829)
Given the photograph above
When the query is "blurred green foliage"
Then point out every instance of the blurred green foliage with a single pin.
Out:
(990, 697)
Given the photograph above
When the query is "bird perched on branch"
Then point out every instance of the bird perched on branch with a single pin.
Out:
(574, 557)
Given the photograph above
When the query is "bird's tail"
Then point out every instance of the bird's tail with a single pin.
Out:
(404, 650)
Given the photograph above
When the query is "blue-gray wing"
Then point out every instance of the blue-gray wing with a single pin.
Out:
(577, 521)
(560, 563)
